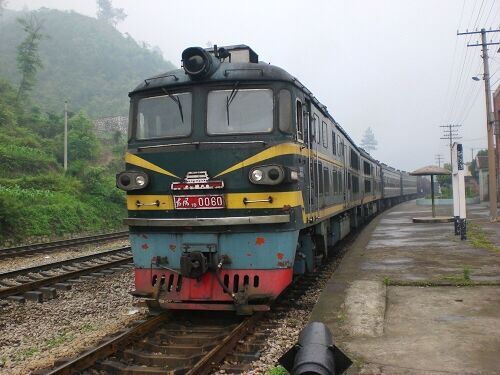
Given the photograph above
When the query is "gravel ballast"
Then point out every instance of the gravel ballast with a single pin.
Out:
(33, 335)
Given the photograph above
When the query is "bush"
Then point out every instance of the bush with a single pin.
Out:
(21, 160)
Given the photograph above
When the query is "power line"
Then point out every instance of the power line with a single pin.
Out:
(448, 86)
(469, 95)
(478, 13)
(489, 13)
(450, 132)
(466, 67)
(439, 158)
(468, 106)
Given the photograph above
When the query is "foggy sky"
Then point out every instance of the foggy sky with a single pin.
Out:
(397, 66)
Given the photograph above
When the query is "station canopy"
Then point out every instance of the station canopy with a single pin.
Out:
(430, 170)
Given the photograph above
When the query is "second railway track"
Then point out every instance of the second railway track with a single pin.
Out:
(15, 283)
(17, 251)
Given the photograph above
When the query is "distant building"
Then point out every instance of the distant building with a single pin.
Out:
(106, 127)
(483, 176)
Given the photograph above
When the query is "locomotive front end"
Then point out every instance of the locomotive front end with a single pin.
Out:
(213, 181)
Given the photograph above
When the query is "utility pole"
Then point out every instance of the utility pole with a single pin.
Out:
(451, 134)
(492, 191)
(439, 157)
(65, 135)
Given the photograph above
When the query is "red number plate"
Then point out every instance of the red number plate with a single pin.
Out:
(198, 202)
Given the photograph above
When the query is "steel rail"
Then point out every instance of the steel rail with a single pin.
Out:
(217, 354)
(35, 284)
(16, 251)
(55, 265)
(108, 348)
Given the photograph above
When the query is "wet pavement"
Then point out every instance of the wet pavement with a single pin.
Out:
(401, 301)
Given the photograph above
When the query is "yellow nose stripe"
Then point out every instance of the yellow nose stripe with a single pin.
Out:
(140, 162)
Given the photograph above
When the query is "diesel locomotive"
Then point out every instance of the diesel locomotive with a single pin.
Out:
(238, 179)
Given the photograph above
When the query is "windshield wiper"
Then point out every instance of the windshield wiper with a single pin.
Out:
(230, 98)
(177, 101)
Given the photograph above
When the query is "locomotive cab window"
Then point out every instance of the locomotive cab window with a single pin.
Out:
(285, 111)
(164, 116)
(299, 120)
(240, 111)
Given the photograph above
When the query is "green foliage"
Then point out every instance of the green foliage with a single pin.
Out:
(446, 192)
(445, 180)
(466, 273)
(461, 279)
(107, 13)
(87, 62)
(8, 105)
(478, 238)
(28, 212)
(473, 165)
(19, 160)
(82, 142)
(278, 370)
(59, 340)
(36, 197)
(28, 59)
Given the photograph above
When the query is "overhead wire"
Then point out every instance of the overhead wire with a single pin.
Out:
(468, 97)
(489, 13)
(453, 61)
(459, 104)
(466, 62)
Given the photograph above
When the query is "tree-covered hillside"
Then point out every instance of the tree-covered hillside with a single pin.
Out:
(85, 60)
(37, 197)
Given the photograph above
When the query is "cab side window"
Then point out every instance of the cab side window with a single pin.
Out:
(300, 123)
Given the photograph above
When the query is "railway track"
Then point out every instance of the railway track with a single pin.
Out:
(198, 342)
(17, 251)
(169, 343)
(195, 343)
(32, 282)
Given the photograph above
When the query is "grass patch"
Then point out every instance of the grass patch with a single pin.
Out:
(26, 353)
(478, 238)
(341, 317)
(462, 279)
(278, 370)
(59, 339)
(87, 327)
(387, 281)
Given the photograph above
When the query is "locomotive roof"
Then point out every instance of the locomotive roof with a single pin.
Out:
(230, 72)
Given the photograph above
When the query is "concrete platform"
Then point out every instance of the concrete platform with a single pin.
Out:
(401, 301)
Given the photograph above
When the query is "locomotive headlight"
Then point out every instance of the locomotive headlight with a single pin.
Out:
(194, 64)
(256, 175)
(131, 180)
(198, 63)
(125, 179)
(140, 180)
(273, 174)
(267, 175)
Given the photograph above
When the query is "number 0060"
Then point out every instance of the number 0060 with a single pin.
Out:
(190, 202)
